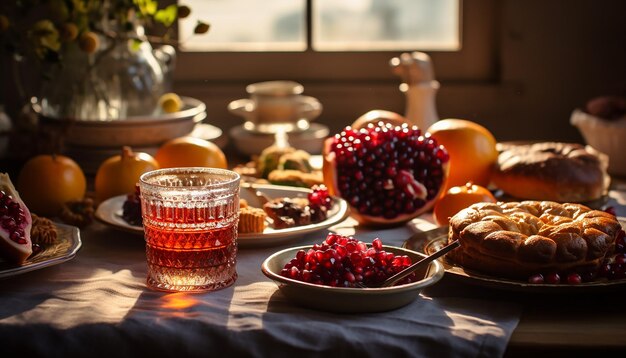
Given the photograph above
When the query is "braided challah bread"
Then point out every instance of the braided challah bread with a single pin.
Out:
(562, 172)
(519, 239)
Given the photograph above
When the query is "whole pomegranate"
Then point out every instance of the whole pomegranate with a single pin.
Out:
(387, 174)
(118, 174)
(15, 223)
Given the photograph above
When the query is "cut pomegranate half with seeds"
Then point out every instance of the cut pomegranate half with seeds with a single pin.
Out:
(15, 223)
(387, 174)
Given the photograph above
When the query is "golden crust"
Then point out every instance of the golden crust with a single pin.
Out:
(251, 220)
(519, 239)
(562, 172)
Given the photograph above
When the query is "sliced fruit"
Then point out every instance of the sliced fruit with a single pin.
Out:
(190, 152)
(46, 182)
(458, 198)
(472, 150)
(15, 223)
(118, 174)
(388, 175)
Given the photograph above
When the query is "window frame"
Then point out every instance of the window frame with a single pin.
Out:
(477, 59)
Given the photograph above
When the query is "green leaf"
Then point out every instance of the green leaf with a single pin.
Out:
(147, 7)
(135, 44)
(167, 16)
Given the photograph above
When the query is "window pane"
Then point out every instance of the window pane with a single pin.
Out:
(365, 25)
(246, 25)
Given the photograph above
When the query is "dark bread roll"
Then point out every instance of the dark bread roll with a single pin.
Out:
(561, 172)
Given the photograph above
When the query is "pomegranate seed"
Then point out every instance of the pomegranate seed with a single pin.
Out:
(618, 271)
(620, 258)
(620, 242)
(536, 279)
(610, 210)
(553, 278)
(36, 249)
(9, 224)
(377, 244)
(574, 279)
(301, 255)
(588, 276)
(604, 270)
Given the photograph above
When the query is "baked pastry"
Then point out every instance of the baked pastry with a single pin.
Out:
(562, 172)
(251, 220)
(288, 212)
(43, 231)
(520, 239)
(297, 178)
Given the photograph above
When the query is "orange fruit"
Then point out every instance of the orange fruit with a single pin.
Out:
(47, 182)
(472, 150)
(459, 198)
(190, 152)
(89, 42)
(69, 31)
(118, 174)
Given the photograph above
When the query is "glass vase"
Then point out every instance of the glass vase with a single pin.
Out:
(122, 79)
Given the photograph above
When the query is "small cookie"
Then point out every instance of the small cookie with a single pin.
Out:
(251, 220)
(78, 212)
(43, 231)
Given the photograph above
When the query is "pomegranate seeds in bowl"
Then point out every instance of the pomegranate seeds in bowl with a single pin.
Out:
(327, 276)
(342, 261)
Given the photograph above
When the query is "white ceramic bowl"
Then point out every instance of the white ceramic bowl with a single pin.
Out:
(349, 300)
(608, 137)
(136, 131)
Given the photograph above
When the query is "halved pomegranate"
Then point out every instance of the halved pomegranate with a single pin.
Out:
(15, 223)
(387, 174)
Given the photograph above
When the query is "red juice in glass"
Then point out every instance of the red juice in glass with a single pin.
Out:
(190, 220)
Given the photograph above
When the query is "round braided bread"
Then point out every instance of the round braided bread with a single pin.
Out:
(519, 239)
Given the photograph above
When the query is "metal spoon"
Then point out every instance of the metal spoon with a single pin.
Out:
(419, 264)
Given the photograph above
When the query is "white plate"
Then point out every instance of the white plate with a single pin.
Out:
(110, 213)
(64, 250)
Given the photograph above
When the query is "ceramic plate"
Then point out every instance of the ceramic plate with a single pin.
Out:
(65, 250)
(349, 300)
(110, 213)
(432, 240)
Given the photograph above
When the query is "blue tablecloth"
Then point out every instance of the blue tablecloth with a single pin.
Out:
(98, 305)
